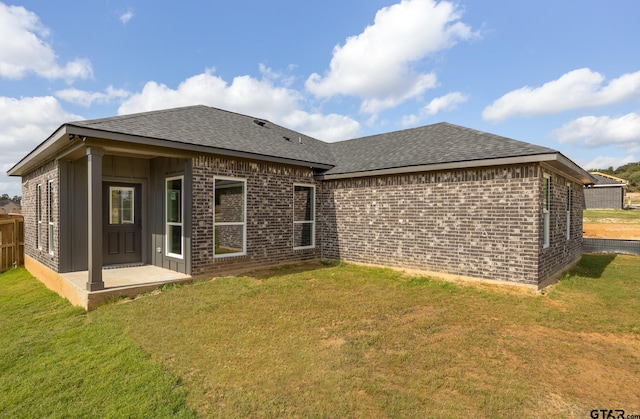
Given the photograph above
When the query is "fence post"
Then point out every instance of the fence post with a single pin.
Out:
(15, 243)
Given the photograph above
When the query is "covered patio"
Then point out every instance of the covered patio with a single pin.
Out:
(118, 282)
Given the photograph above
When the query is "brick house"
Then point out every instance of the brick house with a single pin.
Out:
(608, 192)
(205, 192)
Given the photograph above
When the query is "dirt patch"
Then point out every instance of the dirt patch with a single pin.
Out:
(334, 342)
(612, 231)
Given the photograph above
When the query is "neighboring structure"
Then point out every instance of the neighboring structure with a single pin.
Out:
(607, 193)
(9, 206)
(204, 191)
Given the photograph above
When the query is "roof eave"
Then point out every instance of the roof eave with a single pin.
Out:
(43, 152)
(556, 160)
(193, 148)
(58, 141)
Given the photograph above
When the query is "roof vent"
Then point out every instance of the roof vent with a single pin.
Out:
(286, 138)
(260, 122)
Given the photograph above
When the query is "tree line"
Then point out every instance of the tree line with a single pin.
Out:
(14, 199)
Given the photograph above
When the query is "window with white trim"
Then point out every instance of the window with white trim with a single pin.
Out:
(39, 216)
(50, 215)
(569, 208)
(304, 217)
(174, 216)
(546, 210)
(229, 217)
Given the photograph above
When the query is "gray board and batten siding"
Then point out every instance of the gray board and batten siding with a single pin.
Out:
(149, 175)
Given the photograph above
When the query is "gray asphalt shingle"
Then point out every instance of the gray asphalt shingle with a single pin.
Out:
(603, 180)
(431, 144)
(211, 127)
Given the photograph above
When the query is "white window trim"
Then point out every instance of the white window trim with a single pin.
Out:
(230, 223)
(569, 209)
(546, 213)
(50, 216)
(312, 222)
(133, 204)
(39, 216)
(169, 224)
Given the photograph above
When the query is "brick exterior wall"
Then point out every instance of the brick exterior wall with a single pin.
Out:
(604, 198)
(42, 176)
(481, 223)
(269, 214)
(562, 252)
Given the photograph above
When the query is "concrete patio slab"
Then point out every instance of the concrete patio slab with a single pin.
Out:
(128, 276)
(118, 282)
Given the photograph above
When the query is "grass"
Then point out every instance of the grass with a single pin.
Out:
(343, 341)
(55, 361)
(619, 216)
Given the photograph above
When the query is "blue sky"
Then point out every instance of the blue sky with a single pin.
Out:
(562, 74)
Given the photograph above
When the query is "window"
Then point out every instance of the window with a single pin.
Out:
(121, 205)
(569, 208)
(174, 219)
(230, 227)
(39, 216)
(50, 214)
(546, 210)
(303, 216)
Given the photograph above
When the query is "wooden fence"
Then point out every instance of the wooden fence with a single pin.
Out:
(11, 242)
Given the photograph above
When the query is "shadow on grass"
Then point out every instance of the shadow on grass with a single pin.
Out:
(592, 265)
(290, 269)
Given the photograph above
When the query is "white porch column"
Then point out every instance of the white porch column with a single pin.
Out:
(94, 198)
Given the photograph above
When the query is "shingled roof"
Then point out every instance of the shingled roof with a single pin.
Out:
(203, 129)
(212, 127)
(607, 180)
(428, 145)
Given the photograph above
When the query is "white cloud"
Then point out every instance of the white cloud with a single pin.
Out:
(25, 123)
(378, 64)
(84, 98)
(247, 95)
(575, 89)
(444, 103)
(332, 127)
(600, 131)
(126, 17)
(604, 162)
(23, 49)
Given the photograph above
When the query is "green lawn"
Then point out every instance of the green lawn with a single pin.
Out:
(56, 361)
(329, 341)
(619, 216)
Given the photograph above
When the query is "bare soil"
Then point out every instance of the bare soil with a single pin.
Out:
(612, 231)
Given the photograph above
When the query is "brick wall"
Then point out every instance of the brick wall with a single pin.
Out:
(480, 223)
(562, 251)
(42, 176)
(269, 214)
